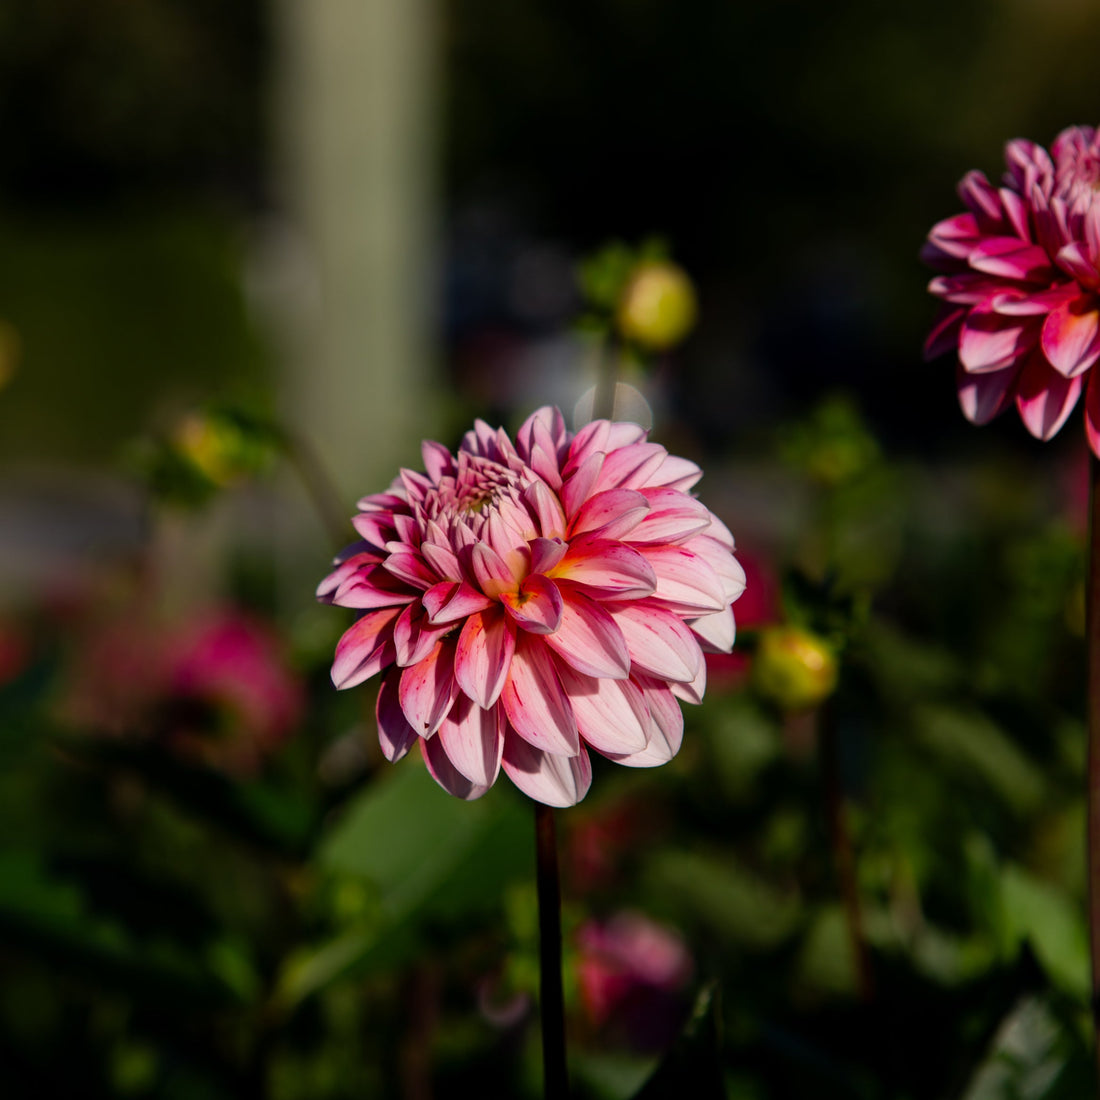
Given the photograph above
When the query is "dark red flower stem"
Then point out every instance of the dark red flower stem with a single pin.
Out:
(1092, 626)
(551, 998)
(843, 856)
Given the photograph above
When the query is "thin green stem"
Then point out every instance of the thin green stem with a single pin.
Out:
(607, 378)
(318, 486)
(1092, 622)
(843, 855)
(551, 999)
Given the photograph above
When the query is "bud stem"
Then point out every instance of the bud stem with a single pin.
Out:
(843, 856)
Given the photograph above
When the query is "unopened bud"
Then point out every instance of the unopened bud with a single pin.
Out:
(657, 308)
(794, 668)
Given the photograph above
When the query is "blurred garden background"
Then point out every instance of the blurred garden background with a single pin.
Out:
(254, 252)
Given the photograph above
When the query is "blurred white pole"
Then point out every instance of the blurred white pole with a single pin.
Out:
(355, 98)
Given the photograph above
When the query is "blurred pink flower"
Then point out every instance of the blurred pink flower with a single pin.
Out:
(1021, 286)
(632, 973)
(233, 666)
(216, 688)
(527, 601)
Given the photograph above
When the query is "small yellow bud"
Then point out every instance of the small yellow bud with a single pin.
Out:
(212, 446)
(794, 668)
(657, 308)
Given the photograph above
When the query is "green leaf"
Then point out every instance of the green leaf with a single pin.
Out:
(974, 745)
(1054, 925)
(419, 845)
(430, 856)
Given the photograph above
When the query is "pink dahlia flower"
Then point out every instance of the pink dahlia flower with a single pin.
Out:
(633, 971)
(527, 601)
(1021, 286)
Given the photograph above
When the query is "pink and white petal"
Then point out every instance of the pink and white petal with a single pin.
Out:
(507, 531)
(442, 559)
(592, 438)
(450, 601)
(686, 581)
(414, 637)
(534, 700)
(546, 509)
(982, 200)
(610, 514)
(395, 735)
(546, 777)
(588, 638)
(624, 433)
(630, 467)
(537, 606)
(578, 487)
(365, 648)
(693, 692)
(407, 565)
(543, 458)
(370, 589)
(944, 336)
(445, 773)
(429, 689)
(1071, 335)
(666, 729)
(347, 565)
(473, 740)
(1017, 212)
(377, 528)
(544, 428)
(1077, 261)
(1045, 398)
(438, 462)
(985, 396)
(1015, 303)
(546, 553)
(612, 715)
(659, 642)
(968, 288)
(483, 655)
(611, 568)
(951, 240)
(493, 573)
(392, 501)
(1028, 164)
(676, 473)
(406, 532)
(1092, 414)
(989, 342)
(673, 517)
(1011, 258)
(716, 632)
(730, 571)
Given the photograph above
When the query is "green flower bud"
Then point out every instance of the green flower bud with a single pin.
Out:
(657, 308)
(794, 668)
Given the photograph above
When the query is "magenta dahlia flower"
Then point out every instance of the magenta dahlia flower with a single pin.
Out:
(527, 601)
(1020, 284)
